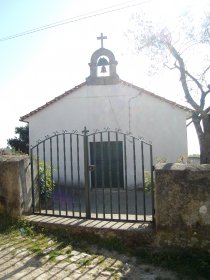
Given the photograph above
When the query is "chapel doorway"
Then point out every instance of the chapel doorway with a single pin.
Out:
(107, 161)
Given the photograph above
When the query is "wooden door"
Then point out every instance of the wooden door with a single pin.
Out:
(108, 160)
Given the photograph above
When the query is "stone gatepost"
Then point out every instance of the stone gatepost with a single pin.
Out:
(15, 185)
(182, 204)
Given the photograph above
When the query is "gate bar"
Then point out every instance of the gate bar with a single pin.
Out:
(64, 159)
(134, 165)
(38, 174)
(126, 179)
(102, 170)
(143, 179)
(152, 184)
(45, 184)
(118, 179)
(72, 175)
(110, 173)
(95, 177)
(32, 177)
(58, 168)
(51, 177)
(78, 176)
(86, 174)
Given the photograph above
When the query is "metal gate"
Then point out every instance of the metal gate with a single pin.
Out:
(101, 175)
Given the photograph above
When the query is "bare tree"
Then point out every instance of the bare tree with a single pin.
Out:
(177, 51)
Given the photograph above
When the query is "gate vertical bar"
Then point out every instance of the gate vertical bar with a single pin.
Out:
(51, 176)
(64, 159)
(95, 177)
(102, 171)
(134, 174)
(72, 175)
(45, 177)
(126, 176)
(110, 173)
(143, 179)
(32, 181)
(58, 170)
(118, 179)
(152, 184)
(38, 176)
(78, 177)
(86, 173)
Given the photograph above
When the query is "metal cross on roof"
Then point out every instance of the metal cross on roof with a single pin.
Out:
(102, 38)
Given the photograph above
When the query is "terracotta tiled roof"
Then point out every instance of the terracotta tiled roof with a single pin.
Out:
(82, 84)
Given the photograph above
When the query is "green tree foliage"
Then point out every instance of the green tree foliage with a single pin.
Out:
(20, 143)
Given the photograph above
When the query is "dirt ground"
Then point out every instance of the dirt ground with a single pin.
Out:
(19, 260)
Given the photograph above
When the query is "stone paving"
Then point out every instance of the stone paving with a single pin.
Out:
(18, 262)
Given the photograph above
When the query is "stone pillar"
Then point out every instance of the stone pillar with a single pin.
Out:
(182, 204)
(15, 185)
(182, 195)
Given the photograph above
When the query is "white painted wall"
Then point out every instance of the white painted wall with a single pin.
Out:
(101, 106)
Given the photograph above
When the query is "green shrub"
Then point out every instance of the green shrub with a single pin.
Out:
(148, 181)
(46, 184)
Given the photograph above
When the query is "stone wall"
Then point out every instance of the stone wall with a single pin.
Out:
(15, 185)
(182, 203)
(194, 159)
(182, 200)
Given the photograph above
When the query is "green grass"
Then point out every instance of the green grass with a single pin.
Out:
(53, 254)
(110, 269)
(86, 261)
(37, 250)
(186, 262)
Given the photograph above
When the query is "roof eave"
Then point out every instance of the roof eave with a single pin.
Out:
(23, 118)
(159, 97)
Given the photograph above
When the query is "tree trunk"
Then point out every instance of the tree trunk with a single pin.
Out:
(203, 133)
(205, 142)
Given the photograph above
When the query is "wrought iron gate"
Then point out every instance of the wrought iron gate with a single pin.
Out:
(101, 175)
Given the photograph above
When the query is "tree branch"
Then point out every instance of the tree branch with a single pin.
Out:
(196, 81)
(207, 110)
(203, 97)
(199, 85)
(189, 123)
(203, 93)
(170, 68)
(206, 70)
(183, 73)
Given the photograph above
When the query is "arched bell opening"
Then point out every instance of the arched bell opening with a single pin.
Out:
(103, 66)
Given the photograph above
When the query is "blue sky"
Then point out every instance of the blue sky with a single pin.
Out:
(37, 67)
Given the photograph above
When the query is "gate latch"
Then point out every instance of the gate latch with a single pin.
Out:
(91, 167)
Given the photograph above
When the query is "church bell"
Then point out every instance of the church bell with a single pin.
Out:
(103, 69)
